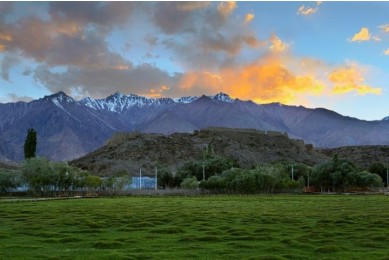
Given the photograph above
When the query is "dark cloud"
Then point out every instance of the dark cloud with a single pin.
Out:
(6, 8)
(74, 39)
(60, 44)
(170, 19)
(6, 64)
(104, 15)
(101, 82)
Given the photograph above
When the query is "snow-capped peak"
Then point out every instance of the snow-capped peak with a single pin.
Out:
(385, 118)
(59, 97)
(223, 97)
(119, 102)
(185, 100)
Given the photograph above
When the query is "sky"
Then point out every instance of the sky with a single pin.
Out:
(315, 54)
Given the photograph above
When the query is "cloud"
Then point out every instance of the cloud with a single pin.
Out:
(248, 18)
(157, 93)
(362, 35)
(386, 52)
(213, 49)
(100, 82)
(384, 28)
(16, 98)
(350, 79)
(226, 8)
(191, 6)
(306, 10)
(6, 64)
(277, 45)
(5, 39)
(5, 8)
(266, 80)
(103, 15)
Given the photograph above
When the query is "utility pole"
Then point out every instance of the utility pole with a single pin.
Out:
(387, 177)
(292, 172)
(203, 172)
(156, 178)
(140, 178)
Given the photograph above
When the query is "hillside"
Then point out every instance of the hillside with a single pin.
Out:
(361, 155)
(131, 151)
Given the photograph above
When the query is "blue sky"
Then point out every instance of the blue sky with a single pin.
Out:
(316, 54)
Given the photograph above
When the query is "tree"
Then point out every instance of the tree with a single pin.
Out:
(190, 183)
(38, 175)
(93, 182)
(380, 169)
(9, 180)
(30, 144)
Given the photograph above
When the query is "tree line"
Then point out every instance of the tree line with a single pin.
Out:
(224, 175)
(212, 173)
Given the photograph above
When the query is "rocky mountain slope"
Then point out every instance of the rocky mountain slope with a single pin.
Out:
(132, 151)
(363, 156)
(68, 128)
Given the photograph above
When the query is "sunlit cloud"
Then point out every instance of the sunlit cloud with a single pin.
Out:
(191, 6)
(226, 8)
(213, 50)
(277, 45)
(248, 18)
(362, 35)
(350, 79)
(5, 37)
(157, 93)
(306, 10)
(264, 81)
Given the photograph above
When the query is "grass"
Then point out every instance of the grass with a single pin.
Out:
(214, 227)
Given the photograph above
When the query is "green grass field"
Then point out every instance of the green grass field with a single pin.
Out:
(209, 227)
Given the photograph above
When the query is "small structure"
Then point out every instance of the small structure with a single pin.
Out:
(143, 183)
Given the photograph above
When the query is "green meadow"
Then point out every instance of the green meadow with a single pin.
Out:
(203, 227)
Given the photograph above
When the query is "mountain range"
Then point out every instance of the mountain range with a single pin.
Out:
(69, 128)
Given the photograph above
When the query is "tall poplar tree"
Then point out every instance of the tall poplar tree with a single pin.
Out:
(30, 144)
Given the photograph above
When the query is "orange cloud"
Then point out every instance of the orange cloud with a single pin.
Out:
(226, 8)
(277, 45)
(5, 37)
(157, 93)
(386, 52)
(264, 82)
(362, 35)
(191, 6)
(350, 79)
(248, 18)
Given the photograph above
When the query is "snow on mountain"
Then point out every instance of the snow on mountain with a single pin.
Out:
(185, 100)
(116, 102)
(119, 102)
(222, 97)
(385, 118)
(57, 98)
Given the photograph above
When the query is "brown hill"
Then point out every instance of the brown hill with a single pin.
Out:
(363, 156)
(131, 151)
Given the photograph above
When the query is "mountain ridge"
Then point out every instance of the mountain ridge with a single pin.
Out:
(69, 128)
